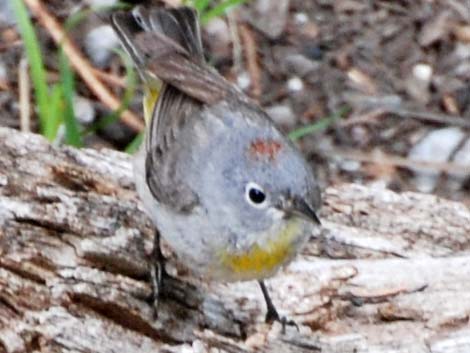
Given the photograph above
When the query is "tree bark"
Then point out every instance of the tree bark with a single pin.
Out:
(388, 273)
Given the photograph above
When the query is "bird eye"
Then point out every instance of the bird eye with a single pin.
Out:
(255, 194)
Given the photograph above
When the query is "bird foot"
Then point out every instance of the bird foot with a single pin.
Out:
(273, 315)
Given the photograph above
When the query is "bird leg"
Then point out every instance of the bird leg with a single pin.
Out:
(272, 314)
(157, 273)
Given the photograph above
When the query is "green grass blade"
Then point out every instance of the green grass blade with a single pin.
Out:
(56, 110)
(75, 19)
(219, 9)
(67, 81)
(201, 5)
(133, 147)
(131, 79)
(36, 64)
(319, 125)
(73, 135)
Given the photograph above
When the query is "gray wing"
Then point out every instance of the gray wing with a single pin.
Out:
(164, 148)
(166, 44)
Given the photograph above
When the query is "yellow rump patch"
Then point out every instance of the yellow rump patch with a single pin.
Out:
(149, 101)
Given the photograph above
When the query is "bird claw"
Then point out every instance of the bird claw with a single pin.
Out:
(286, 322)
(156, 279)
(157, 275)
(272, 315)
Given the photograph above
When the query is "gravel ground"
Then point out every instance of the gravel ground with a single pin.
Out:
(401, 69)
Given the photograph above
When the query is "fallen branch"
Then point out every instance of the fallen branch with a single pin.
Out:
(389, 273)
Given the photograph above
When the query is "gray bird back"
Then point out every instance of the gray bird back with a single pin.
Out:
(166, 44)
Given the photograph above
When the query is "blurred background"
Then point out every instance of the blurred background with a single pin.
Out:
(373, 92)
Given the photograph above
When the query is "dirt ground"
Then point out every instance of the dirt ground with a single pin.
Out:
(399, 71)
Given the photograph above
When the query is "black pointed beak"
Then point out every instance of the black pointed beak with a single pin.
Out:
(299, 207)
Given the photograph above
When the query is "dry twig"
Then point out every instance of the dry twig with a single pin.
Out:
(110, 78)
(431, 117)
(236, 46)
(251, 60)
(81, 64)
(24, 96)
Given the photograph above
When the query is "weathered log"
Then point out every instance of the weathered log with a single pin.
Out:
(389, 273)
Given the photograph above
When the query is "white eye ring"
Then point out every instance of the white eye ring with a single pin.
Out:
(255, 195)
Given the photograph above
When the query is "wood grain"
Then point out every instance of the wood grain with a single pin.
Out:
(388, 273)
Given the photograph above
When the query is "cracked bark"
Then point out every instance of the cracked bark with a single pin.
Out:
(389, 273)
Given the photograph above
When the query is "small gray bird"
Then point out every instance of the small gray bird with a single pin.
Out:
(231, 195)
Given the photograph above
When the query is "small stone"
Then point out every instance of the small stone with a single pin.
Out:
(299, 64)
(309, 30)
(360, 135)
(305, 26)
(100, 43)
(417, 84)
(300, 18)
(270, 17)
(243, 80)
(295, 84)
(349, 165)
(362, 81)
(437, 146)
(84, 110)
(423, 72)
(217, 28)
(282, 115)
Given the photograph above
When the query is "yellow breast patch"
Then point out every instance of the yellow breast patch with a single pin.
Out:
(263, 259)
